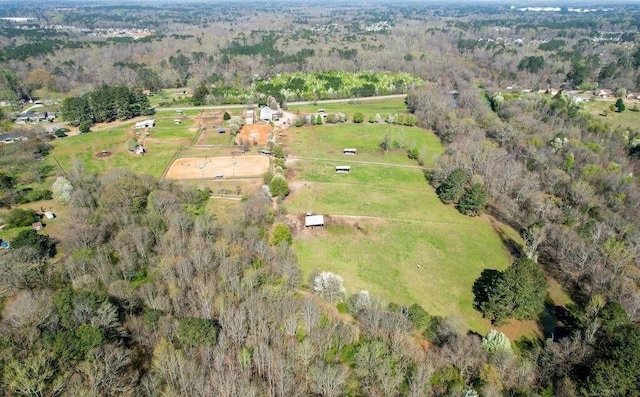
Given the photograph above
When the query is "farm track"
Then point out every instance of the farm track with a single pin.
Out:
(416, 167)
(382, 218)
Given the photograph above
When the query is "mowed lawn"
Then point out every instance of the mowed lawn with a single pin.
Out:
(328, 141)
(626, 119)
(387, 232)
(161, 145)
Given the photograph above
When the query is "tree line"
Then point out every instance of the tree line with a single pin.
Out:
(564, 180)
(105, 104)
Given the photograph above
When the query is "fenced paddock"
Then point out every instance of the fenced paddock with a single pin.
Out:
(218, 167)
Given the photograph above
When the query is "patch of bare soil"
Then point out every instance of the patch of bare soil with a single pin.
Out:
(258, 133)
(103, 154)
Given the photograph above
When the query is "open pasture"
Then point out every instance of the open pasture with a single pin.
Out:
(386, 230)
(328, 141)
(382, 256)
(160, 145)
(211, 136)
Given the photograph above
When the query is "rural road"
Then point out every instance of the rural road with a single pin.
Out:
(318, 103)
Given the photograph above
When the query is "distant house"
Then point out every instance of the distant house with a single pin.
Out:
(145, 124)
(343, 169)
(266, 113)
(49, 215)
(350, 151)
(313, 220)
(37, 225)
(31, 117)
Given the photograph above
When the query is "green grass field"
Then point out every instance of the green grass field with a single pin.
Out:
(382, 256)
(367, 107)
(626, 119)
(385, 220)
(161, 145)
(328, 141)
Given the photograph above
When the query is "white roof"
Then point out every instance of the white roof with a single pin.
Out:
(314, 220)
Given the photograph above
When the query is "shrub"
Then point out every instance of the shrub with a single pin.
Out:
(279, 186)
(18, 217)
(85, 127)
(31, 195)
(496, 343)
(278, 152)
(267, 177)
(281, 233)
(226, 116)
(418, 316)
(413, 153)
(331, 118)
(409, 120)
(358, 117)
(194, 331)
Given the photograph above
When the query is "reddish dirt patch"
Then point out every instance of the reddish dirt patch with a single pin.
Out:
(210, 167)
(254, 133)
(103, 154)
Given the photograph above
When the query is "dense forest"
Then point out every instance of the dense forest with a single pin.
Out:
(147, 293)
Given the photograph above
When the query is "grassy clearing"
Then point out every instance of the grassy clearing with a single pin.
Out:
(626, 119)
(328, 141)
(368, 108)
(223, 209)
(54, 227)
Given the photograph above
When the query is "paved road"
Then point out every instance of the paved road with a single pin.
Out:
(316, 103)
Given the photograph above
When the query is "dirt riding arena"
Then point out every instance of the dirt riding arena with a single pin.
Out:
(219, 167)
(253, 133)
